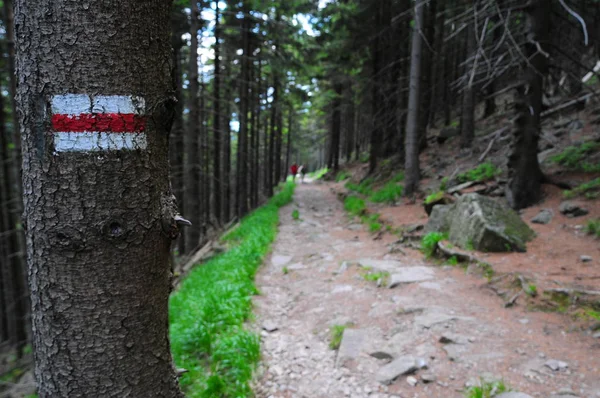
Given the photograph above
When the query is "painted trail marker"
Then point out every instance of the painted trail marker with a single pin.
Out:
(83, 123)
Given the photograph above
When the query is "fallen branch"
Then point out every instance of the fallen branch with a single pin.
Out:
(459, 254)
(566, 105)
(497, 135)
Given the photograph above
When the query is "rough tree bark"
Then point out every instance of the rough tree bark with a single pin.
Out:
(191, 161)
(525, 175)
(99, 214)
(411, 143)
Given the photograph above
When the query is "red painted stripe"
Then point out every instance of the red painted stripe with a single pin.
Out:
(100, 122)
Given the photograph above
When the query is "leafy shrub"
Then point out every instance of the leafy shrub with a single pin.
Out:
(430, 241)
(374, 226)
(354, 205)
(573, 157)
(483, 172)
(388, 194)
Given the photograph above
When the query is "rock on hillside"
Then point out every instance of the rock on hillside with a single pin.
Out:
(481, 222)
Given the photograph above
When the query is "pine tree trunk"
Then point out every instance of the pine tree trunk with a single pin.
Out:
(99, 213)
(336, 125)
(412, 121)
(289, 140)
(427, 65)
(191, 162)
(467, 125)
(376, 96)
(14, 276)
(242, 165)
(273, 138)
(217, 122)
(525, 175)
(279, 145)
(227, 159)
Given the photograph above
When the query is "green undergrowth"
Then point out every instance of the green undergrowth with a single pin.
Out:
(341, 176)
(337, 333)
(483, 172)
(364, 188)
(208, 312)
(434, 197)
(590, 190)
(573, 157)
(318, 174)
(487, 389)
(389, 193)
(355, 205)
(593, 227)
(430, 241)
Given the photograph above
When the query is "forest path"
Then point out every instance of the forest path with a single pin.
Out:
(315, 280)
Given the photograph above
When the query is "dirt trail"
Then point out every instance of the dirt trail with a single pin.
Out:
(314, 281)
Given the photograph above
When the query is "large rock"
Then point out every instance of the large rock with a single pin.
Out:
(353, 343)
(571, 209)
(439, 220)
(481, 223)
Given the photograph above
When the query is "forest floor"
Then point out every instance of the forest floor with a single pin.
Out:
(447, 323)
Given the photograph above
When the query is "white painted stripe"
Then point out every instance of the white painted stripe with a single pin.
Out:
(71, 104)
(97, 142)
(76, 104)
(118, 104)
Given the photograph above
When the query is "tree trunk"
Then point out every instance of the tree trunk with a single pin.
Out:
(217, 122)
(289, 140)
(376, 96)
(99, 213)
(273, 137)
(525, 175)
(427, 65)
(467, 125)
(412, 121)
(14, 276)
(242, 166)
(336, 125)
(227, 159)
(191, 162)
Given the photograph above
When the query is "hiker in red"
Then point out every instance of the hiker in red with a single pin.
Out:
(294, 171)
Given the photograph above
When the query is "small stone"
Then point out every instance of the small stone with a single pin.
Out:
(270, 326)
(543, 217)
(410, 275)
(401, 366)
(428, 378)
(513, 395)
(524, 321)
(412, 380)
(596, 335)
(585, 259)
(453, 338)
(556, 365)
(572, 210)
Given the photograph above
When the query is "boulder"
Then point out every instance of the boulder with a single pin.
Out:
(439, 219)
(481, 223)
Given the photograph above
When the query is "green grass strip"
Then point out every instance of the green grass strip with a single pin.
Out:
(208, 312)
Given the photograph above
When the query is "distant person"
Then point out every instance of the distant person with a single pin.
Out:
(294, 171)
(303, 172)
